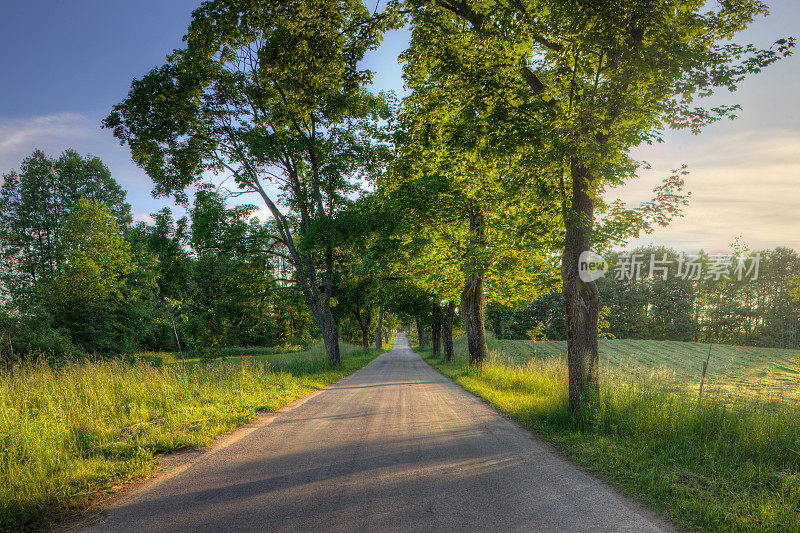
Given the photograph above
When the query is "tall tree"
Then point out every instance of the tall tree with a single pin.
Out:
(167, 241)
(100, 293)
(471, 226)
(35, 204)
(97, 256)
(369, 257)
(270, 93)
(234, 274)
(594, 79)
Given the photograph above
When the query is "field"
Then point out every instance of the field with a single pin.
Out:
(741, 371)
(728, 463)
(68, 434)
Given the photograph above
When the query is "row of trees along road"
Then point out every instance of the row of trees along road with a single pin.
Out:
(270, 93)
(522, 114)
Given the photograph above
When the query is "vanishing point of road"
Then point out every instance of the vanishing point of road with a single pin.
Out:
(395, 446)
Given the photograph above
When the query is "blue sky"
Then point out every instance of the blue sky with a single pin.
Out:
(66, 62)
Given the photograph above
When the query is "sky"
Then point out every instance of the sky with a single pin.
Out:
(67, 62)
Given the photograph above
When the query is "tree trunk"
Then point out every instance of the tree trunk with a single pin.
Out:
(581, 299)
(472, 296)
(379, 330)
(447, 331)
(472, 311)
(330, 336)
(363, 324)
(436, 330)
(305, 264)
(365, 339)
(420, 335)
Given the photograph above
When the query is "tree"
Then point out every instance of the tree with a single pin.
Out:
(644, 306)
(436, 328)
(270, 93)
(234, 274)
(471, 227)
(100, 294)
(742, 297)
(776, 321)
(166, 241)
(593, 80)
(97, 257)
(166, 238)
(34, 206)
(369, 258)
(412, 305)
(794, 292)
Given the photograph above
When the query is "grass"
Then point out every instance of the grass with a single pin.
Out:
(175, 357)
(729, 464)
(69, 434)
(294, 359)
(741, 371)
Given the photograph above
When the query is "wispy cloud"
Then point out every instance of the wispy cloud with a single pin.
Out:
(55, 133)
(19, 137)
(743, 183)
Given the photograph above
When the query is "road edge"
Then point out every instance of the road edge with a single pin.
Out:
(644, 508)
(174, 463)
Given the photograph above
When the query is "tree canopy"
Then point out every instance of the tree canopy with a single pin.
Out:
(271, 94)
(579, 85)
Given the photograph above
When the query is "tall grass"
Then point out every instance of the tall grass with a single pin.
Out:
(730, 463)
(743, 371)
(68, 433)
(272, 354)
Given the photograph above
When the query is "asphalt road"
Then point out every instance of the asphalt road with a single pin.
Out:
(394, 447)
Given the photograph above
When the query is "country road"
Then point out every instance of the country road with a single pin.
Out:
(393, 447)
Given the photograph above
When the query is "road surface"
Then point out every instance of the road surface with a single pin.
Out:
(394, 447)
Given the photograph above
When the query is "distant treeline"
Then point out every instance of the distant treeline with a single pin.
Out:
(78, 276)
(745, 298)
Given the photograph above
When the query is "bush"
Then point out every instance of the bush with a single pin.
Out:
(33, 336)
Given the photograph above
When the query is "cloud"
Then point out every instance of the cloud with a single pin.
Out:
(55, 133)
(143, 217)
(743, 183)
(19, 137)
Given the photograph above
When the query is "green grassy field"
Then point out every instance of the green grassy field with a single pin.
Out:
(69, 434)
(766, 373)
(731, 463)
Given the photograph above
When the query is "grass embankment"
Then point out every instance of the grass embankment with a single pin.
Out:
(730, 464)
(69, 434)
